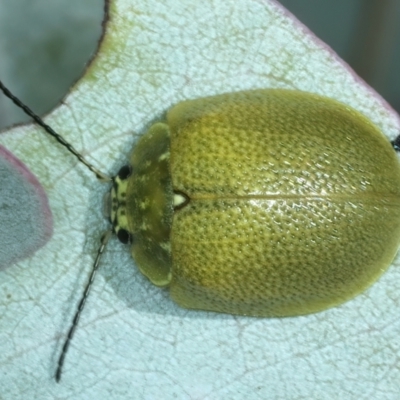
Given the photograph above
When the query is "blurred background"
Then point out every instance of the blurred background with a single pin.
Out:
(44, 45)
(365, 33)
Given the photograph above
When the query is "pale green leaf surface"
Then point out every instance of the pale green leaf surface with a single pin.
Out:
(132, 341)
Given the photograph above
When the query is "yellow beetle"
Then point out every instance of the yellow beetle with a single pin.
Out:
(265, 203)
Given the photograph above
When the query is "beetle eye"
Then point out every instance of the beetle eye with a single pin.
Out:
(124, 236)
(125, 172)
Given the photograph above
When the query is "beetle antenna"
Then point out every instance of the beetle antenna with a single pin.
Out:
(100, 175)
(103, 243)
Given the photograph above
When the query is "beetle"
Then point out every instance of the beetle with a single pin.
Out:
(267, 203)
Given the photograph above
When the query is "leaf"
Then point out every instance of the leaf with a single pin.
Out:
(24, 211)
(132, 341)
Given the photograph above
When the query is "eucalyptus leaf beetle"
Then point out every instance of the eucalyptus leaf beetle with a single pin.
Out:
(266, 203)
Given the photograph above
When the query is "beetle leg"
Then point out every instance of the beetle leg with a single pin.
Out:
(396, 143)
